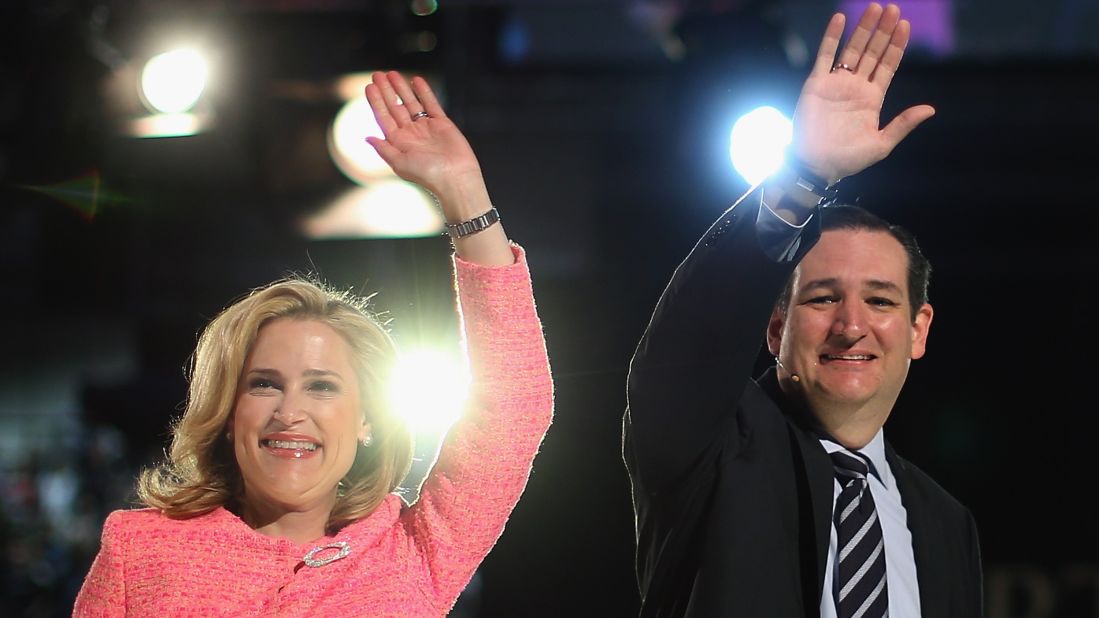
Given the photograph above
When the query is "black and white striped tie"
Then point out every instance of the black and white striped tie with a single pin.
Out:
(860, 588)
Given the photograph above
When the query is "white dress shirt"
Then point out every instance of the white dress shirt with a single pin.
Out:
(900, 563)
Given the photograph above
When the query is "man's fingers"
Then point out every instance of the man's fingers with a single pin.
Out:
(829, 43)
(905, 122)
(879, 41)
(891, 59)
(856, 45)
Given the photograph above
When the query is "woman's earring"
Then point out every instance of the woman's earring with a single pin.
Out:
(367, 440)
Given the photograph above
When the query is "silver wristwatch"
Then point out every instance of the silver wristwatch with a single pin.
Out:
(474, 225)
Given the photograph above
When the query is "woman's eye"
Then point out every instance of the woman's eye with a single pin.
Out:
(324, 386)
(261, 384)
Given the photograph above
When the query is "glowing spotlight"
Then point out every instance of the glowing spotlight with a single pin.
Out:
(757, 143)
(385, 209)
(429, 389)
(347, 134)
(347, 142)
(168, 125)
(172, 82)
(423, 8)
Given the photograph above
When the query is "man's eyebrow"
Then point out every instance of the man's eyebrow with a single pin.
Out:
(831, 282)
(878, 284)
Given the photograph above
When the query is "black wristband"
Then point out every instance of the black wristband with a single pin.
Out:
(802, 177)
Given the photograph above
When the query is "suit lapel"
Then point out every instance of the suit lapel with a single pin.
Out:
(924, 537)
(927, 533)
(818, 469)
(814, 460)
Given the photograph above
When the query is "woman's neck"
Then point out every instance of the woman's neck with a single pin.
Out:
(301, 525)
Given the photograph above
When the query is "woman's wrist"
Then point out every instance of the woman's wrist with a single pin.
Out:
(464, 197)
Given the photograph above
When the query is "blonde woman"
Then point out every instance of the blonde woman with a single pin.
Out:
(277, 494)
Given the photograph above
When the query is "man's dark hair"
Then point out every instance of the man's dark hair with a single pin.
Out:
(851, 217)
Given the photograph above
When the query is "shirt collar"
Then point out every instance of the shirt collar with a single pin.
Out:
(874, 451)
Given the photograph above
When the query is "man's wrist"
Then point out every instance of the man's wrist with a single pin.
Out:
(803, 185)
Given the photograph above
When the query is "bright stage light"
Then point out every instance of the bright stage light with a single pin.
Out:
(424, 7)
(172, 82)
(429, 389)
(385, 209)
(384, 206)
(347, 142)
(757, 143)
(347, 134)
(167, 125)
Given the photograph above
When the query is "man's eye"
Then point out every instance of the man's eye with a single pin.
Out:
(882, 302)
(822, 300)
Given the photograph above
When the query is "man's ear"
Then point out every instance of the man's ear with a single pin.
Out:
(920, 329)
(774, 331)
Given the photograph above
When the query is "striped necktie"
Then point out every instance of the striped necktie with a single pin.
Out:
(860, 587)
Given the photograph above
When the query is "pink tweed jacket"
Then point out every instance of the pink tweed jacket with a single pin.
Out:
(407, 561)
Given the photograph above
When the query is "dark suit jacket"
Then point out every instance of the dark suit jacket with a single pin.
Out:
(732, 489)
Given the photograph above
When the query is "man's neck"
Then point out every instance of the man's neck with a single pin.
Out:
(852, 425)
(853, 429)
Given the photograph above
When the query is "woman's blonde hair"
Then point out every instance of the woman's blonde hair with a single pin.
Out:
(201, 471)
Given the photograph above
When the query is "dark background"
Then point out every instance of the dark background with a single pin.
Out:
(601, 137)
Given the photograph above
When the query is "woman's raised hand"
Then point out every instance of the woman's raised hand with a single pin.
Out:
(424, 146)
(421, 143)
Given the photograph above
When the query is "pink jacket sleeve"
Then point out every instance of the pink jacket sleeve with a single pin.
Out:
(486, 458)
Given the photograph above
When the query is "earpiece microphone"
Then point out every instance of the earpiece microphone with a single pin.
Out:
(793, 376)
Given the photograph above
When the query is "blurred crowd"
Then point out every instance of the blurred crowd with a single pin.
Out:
(52, 505)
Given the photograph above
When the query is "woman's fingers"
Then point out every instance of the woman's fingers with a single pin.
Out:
(388, 152)
(394, 103)
(427, 98)
(410, 103)
(376, 98)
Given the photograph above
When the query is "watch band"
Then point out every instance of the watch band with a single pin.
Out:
(474, 225)
(800, 175)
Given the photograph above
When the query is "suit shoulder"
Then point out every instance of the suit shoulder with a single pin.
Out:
(930, 490)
